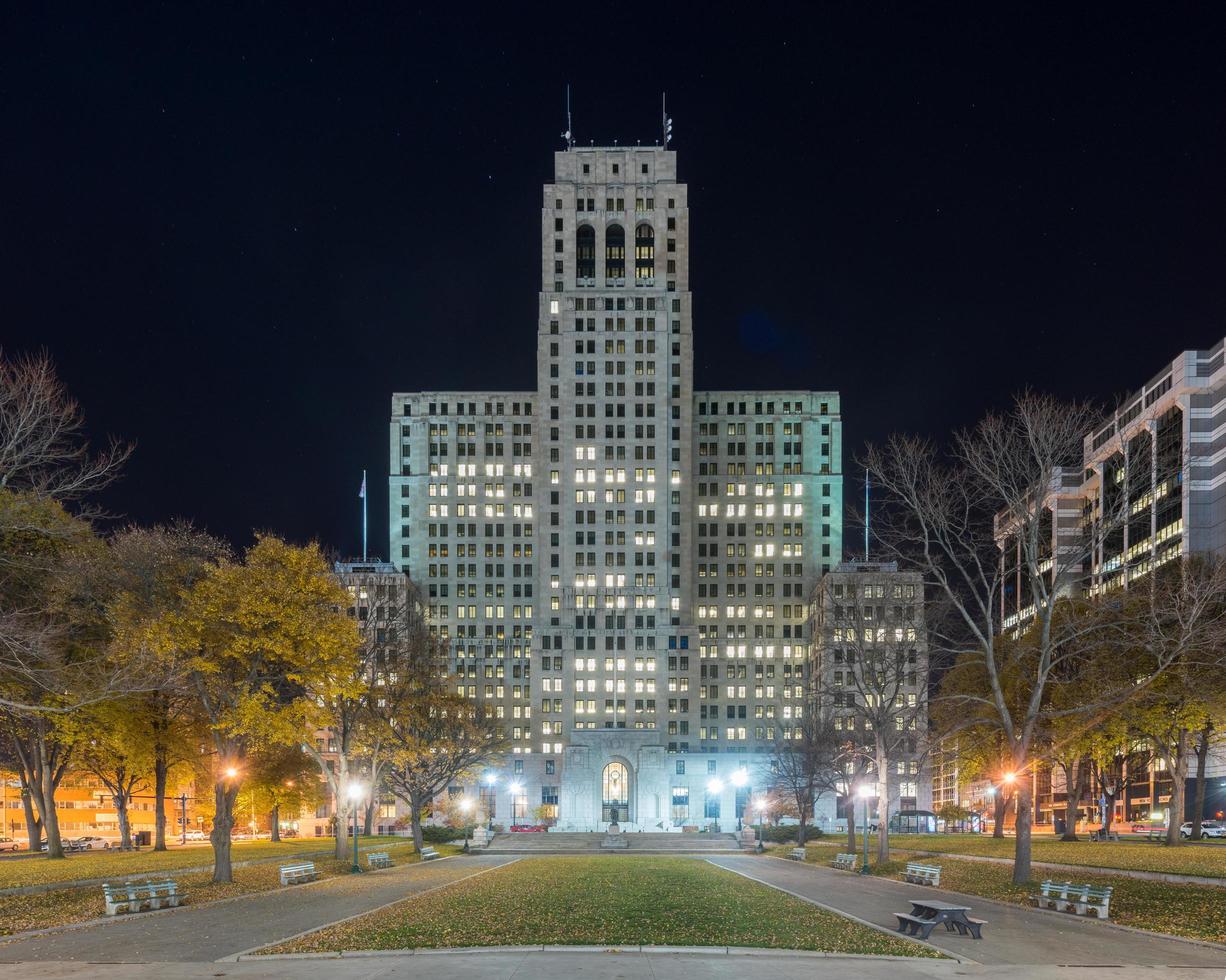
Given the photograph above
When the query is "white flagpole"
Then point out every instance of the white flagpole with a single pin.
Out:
(365, 492)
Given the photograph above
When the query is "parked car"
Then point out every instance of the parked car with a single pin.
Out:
(1146, 828)
(195, 835)
(91, 843)
(1208, 828)
(8, 844)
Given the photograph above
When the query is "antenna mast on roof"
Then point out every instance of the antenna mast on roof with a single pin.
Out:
(569, 134)
(666, 122)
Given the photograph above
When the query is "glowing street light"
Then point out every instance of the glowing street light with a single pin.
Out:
(740, 777)
(715, 786)
(760, 806)
(466, 807)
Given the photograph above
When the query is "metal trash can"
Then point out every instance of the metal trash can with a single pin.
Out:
(142, 838)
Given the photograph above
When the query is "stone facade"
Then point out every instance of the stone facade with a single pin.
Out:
(620, 563)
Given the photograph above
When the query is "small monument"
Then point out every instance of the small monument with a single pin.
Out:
(613, 837)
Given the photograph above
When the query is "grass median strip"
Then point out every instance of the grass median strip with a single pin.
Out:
(65, 906)
(1192, 911)
(1192, 859)
(615, 901)
(18, 872)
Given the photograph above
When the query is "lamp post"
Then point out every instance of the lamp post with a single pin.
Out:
(516, 789)
(491, 780)
(355, 794)
(739, 779)
(761, 808)
(466, 806)
(864, 792)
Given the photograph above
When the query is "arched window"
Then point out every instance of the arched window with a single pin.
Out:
(644, 252)
(585, 252)
(615, 793)
(615, 252)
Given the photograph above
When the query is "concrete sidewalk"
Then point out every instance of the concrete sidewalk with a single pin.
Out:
(211, 932)
(568, 965)
(1013, 935)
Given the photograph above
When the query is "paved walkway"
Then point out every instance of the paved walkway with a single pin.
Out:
(566, 965)
(1013, 935)
(211, 932)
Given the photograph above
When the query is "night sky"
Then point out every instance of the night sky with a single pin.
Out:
(239, 229)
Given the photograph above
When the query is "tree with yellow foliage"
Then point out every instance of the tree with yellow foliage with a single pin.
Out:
(261, 642)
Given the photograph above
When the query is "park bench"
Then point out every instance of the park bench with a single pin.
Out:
(1077, 899)
(133, 896)
(429, 854)
(922, 874)
(1159, 834)
(293, 874)
(1099, 835)
(798, 854)
(844, 862)
(378, 859)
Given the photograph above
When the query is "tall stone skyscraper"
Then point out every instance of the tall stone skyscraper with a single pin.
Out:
(621, 564)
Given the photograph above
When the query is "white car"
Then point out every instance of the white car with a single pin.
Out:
(91, 843)
(195, 835)
(1208, 828)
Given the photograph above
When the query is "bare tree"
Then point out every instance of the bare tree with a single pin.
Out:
(430, 736)
(43, 446)
(46, 463)
(873, 673)
(1002, 488)
(807, 762)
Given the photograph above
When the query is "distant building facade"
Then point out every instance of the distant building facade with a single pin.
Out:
(619, 563)
(871, 614)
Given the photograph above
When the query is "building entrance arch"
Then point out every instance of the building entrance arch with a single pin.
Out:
(615, 793)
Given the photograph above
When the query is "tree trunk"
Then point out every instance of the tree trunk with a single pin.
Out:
(160, 769)
(34, 826)
(125, 824)
(415, 822)
(1178, 768)
(368, 820)
(883, 800)
(1021, 851)
(1074, 780)
(342, 833)
(851, 823)
(51, 819)
(223, 824)
(999, 803)
(801, 831)
(1202, 758)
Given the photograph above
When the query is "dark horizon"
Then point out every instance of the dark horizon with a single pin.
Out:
(238, 233)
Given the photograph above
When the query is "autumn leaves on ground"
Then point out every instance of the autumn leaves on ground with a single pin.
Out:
(602, 901)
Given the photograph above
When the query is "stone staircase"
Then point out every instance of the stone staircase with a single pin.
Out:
(644, 843)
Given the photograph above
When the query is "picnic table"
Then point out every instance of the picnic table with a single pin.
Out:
(926, 915)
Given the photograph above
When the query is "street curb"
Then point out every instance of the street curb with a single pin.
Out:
(639, 950)
(249, 953)
(894, 934)
(107, 920)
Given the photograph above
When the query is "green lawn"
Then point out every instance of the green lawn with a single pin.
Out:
(16, 872)
(605, 901)
(1195, 911)
(68, 905)
(1191, 859)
